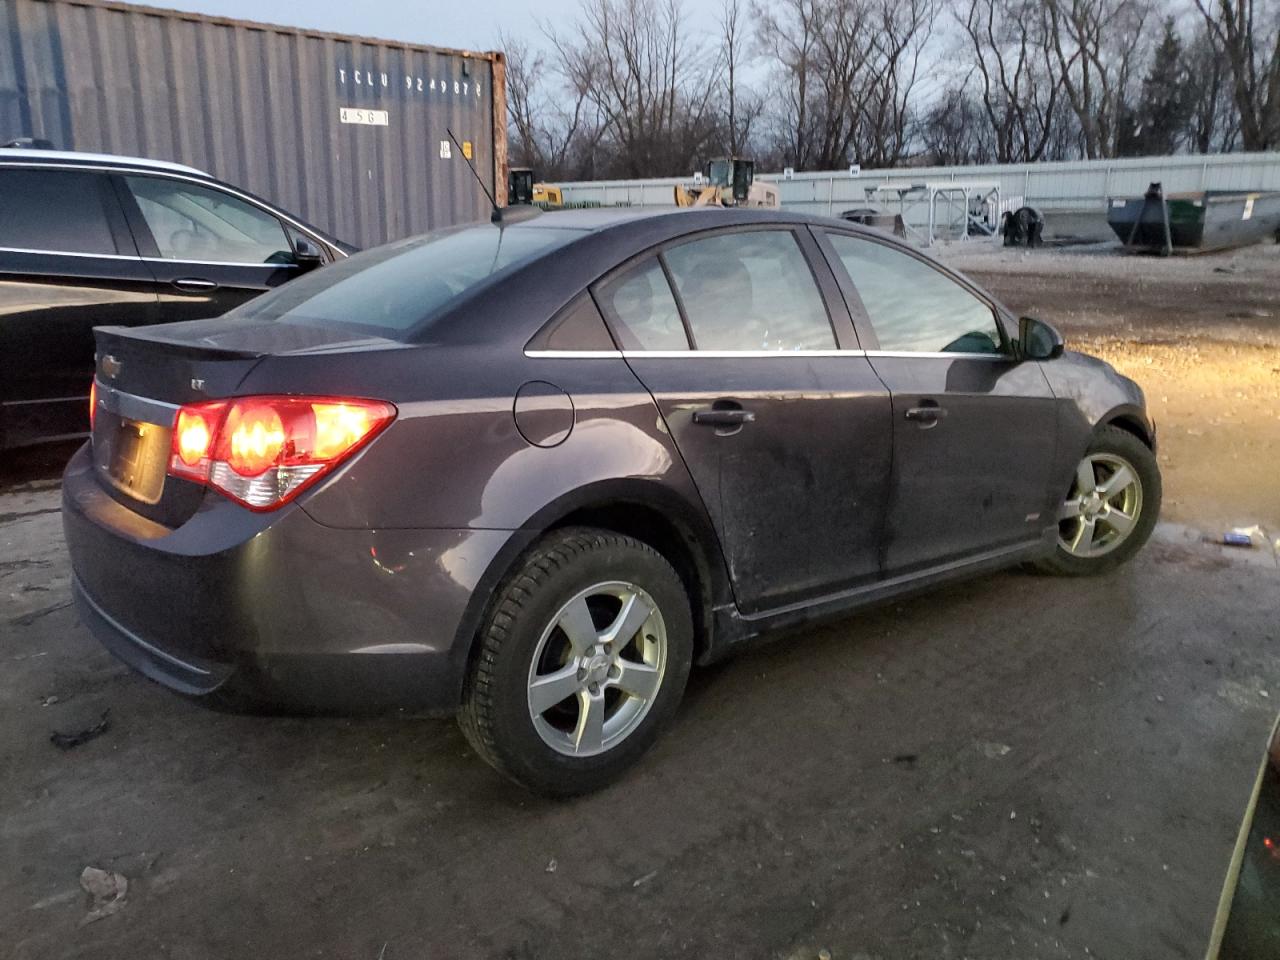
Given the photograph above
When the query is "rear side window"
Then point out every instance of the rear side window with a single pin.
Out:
(913, 307)
(394, 288)
(750, 291)
(642, 311)
(577, 328)
(193, 223)
(57, 210)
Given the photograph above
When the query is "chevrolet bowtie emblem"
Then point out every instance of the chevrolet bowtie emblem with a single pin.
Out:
(111, 366)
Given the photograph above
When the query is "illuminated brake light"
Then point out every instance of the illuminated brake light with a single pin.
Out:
(93, 403)
(193, 432)
(263, 451)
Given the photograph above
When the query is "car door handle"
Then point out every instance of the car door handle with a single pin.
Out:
(926, 415)
(723, 418)
(194, 283)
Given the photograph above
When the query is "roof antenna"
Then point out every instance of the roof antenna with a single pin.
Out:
(500, 215)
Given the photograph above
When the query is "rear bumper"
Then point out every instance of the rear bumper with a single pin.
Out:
(278, 607)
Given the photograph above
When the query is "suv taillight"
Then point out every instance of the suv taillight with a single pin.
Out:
(264, 451)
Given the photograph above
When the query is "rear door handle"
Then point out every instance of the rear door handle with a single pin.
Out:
(194, 283)
(929, 415)
(723, 418)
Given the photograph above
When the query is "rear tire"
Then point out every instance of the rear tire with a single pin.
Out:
(582, 661)
(1111, 507)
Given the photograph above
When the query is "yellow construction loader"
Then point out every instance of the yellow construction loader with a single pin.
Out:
(728, 182)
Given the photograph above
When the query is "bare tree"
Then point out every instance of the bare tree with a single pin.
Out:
(654, 87)
(1248, 34)
(1214, 124)
(742, 105)
(1013, 56)
(788, 33)
(1098, 45)
(845, 71)
(554, 128)
(954, 130)
(904, 28)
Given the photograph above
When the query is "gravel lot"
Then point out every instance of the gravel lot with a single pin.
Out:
(1016, 767)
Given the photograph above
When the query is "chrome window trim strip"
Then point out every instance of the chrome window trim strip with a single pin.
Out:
(728, 354)
(133, 407)
(579, 354)
(939, 355)
(125, 256)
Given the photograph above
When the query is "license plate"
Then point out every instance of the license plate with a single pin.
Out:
(134, 458)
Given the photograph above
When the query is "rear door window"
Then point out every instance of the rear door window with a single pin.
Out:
(194, 223)
(750, 290)
(62, 211)
(642, 311)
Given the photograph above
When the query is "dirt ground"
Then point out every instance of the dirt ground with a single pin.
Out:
(1017, 767)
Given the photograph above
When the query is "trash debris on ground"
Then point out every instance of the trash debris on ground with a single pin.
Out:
(66, 741)
(49, 701)
(907, 760)
(551, 866)
(993, 751)
(1253, 536)
(640, 881)
(108, 890)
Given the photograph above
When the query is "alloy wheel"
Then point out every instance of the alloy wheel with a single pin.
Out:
(597, 669)
(1103, 507)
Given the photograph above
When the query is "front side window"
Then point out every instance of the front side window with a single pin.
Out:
(750, 291)
(913, 307)
(195, 223)
(642, 311)
(56, 210)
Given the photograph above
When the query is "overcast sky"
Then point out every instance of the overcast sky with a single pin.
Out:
(470, 25)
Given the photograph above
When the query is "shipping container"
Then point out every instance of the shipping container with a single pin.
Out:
(350, 133)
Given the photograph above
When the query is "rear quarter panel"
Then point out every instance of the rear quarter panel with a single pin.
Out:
(454, 458)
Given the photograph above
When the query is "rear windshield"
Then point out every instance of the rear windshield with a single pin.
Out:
(392, 289)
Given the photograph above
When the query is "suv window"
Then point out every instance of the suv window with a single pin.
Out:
(57, 210)
(750, 291)
(642, 311)
(913, 307)
(195, 223)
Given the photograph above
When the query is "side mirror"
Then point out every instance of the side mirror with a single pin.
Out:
(1038, 340)
(306, 254)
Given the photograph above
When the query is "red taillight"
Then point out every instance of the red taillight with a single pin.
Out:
(93, 402)
(263, 451)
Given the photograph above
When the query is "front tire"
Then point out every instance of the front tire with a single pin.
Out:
(583, 659)
(1111, 507)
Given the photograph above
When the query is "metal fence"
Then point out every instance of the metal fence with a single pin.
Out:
(1068, 185)
(347, 132)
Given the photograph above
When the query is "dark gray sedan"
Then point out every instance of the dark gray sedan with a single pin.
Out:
(530, 472)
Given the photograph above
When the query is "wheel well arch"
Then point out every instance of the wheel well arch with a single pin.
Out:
(1130, 421)
(652, 514)
(677, 543)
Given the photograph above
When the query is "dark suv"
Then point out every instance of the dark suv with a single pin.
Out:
(531, 472)
(88, 239)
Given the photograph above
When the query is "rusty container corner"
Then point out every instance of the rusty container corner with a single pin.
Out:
(350, 133)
